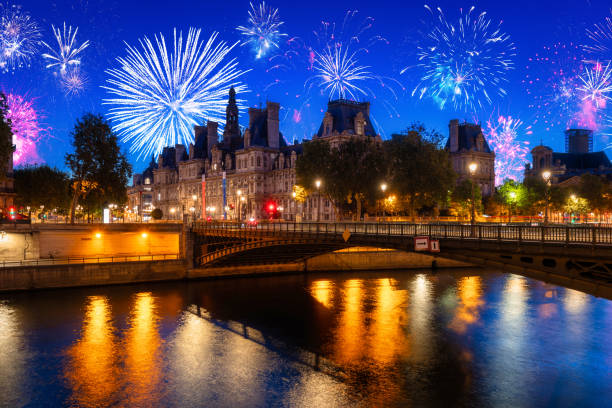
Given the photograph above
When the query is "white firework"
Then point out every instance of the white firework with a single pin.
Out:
(597, 84)
(19, 38)
(158, 95)
(73, 82)
(338, 72)
(67, 54)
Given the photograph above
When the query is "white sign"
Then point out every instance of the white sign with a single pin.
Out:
(421, 243)
(434, 245)
(106, 216)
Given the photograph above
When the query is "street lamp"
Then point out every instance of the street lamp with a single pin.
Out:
(472, 167)
(318, 185)
(240, 200)
(383, 187)
(546, 176)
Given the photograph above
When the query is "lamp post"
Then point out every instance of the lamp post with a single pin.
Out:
(473, 166)
(318, 185)
(383, 187)
(239, 193)
(546, 176)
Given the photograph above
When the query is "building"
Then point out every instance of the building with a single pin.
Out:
(566, 168)
(140, 195)
(466, 145)
(247, 174)
(7, 186)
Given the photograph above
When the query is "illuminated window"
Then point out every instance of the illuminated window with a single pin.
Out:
(147, 181)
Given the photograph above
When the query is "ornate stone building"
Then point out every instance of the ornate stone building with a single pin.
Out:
(566, 168)
(7, 189)
(249, 174)
(467, 144)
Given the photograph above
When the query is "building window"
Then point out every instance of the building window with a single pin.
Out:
(258, 161)
(147, 180)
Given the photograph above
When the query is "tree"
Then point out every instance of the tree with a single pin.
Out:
(38, 186)
(461, 197)
(6, 137)
(596, 191)
(419, 169)
(98, 164)
(514, 195)
(157, 214)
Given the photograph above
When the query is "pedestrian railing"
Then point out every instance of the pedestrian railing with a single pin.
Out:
(579, 234)
(88, 260)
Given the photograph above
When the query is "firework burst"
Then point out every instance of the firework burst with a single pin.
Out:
(67, 54)
(463, 64)
(158, 95)
(601, 40)
(19, 38)
(73, 82)
(597, 85)
(502, 134)
(27, 131)
(338, 73)
(263, 29)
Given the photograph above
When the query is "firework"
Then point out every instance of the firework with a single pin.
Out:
(263, 30)
(463, 64)
(502, 133)
(601, 40)
(67, 54)
(338, 73)
(596, 85)
(73, 82)
(27, 131)
(158, 96)
(19, 38)
(553, 84)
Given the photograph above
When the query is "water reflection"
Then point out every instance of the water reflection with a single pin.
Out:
(143, 364)
(13, 356)
(91, 369)
(421, 318)
(350, 332)
(470, 304)
(322, 290)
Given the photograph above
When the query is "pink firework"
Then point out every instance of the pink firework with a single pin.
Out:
(502, 134)
(27, 131)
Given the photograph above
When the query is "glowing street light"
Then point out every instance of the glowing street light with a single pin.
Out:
(472, 167)
(546, 176)
(318, 185)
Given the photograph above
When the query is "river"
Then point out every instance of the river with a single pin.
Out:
(471, 337)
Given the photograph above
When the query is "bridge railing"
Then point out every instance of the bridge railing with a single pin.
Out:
(581, 234)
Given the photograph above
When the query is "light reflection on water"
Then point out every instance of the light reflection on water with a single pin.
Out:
(336, 339)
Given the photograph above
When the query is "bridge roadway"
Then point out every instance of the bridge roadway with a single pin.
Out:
(582, 252)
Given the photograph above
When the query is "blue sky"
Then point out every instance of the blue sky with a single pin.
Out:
(107, 24)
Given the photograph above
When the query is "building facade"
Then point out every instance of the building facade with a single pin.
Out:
(244, 175)
(466, 145)
(7, 186)
(566, 168)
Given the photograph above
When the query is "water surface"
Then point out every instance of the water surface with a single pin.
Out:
(406, 338)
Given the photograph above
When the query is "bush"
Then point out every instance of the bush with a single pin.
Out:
(157, 214)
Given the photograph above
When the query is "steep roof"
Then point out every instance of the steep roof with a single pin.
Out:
(468, 137)
(344, 111)
(259, 129)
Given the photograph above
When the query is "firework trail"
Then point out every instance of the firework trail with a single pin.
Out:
(263, 30)
(19, 38)
(27, 131)
(158, 94)
(67, 54)
(601, 40)
(597, 85)
(463, 63)
(73, 82)
(502, 134)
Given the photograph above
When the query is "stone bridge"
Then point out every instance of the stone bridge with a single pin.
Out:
(580, 255)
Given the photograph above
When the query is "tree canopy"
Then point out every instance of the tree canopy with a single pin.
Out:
(38, 186)
(100, 171)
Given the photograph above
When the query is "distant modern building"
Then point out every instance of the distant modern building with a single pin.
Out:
(579, 158)
(248, 174)
(466, 144)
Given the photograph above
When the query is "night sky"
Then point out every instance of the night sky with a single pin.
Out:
(390, 43)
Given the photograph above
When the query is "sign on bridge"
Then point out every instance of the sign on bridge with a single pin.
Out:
(426, 244)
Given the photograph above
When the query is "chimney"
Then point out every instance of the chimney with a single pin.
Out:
(273, 131)
(191, 151)
(179, 151)
(211, 136)
(247, 138)
(453, 134)
(253, 115)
